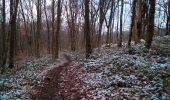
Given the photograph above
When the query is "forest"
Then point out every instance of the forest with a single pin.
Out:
(84, 49)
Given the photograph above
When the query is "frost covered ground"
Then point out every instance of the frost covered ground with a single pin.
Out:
(17, 84)
(110, 73)
(135, 73)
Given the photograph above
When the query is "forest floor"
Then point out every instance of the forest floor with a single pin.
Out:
(110, 73)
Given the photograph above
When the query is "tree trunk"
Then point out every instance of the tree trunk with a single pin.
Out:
(13, 14)
(145, 15)
(121, 26)
(94, 17)
(48, 27)
(4, 42)
(58, 28)
(32, 30)
(138, 24)
(100, 21)
(72, 33)
(150, 27)
(111, 16)
(117, 26)
(72, 22)
(26, 30)
(87, 29)
(132, 22)
(38, 37)
(103, 8)
(53, 29)
(168, 20)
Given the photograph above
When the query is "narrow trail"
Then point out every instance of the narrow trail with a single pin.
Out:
(60, 83)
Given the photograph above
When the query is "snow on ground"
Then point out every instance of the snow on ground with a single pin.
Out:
(110, 73)
(17, 84)
(135, 73)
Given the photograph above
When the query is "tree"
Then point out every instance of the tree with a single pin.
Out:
(26, 27)
(121, 26)
(1, 41)
(138, 21)
(72, 15)
(145, 16)
(87, 29)
(110, 21)
(117, 24)
(58, 28)
(53, 28)
(31, 24)
(93, 20)
(38, 29)
(13, 30)
(48, 27)
(4, 42)
(132, 22)
(150, 26)
(103, 8)
(168, 19)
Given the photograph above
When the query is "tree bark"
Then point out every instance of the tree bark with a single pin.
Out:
(132, 22)
(103, 8)
(48, 27)
(13, 30)
(101, 19)
(121, 24)
(138, 21)
(87, 29)
(117, 26)
(72, 22)
(4, 40)
(38, 37)
(53, 29)
(26, 29)
(168, 20)
(58, 28)
(109, 23)
(150, 27)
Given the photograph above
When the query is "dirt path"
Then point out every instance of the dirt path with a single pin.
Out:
(60, 83)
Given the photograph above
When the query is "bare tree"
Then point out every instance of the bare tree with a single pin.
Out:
(138, 21)
(38, 29)
(150, 27)
(145, 15)
(1, 44)
(4, 40)
(48, 27)
(110, 21)
(132, 22)
(72, 15)
(87, 29)
(103, 8)
(13, 30)
(53, 28)
(58, 28)
(121, 26)
(26, 28)
(168, 19)
(93, 20)
(117, 26)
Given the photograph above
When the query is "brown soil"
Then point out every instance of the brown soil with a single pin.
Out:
(61, 83)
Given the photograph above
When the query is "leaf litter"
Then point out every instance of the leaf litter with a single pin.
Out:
(110, 73)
